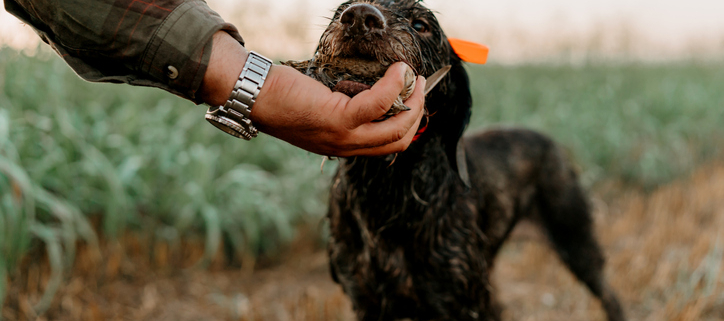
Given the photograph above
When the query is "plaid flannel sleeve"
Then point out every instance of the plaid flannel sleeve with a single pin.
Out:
(157, 43)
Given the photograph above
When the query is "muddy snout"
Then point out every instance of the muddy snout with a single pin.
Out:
(362, 19)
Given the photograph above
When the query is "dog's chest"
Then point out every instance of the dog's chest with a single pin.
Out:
(389, 239)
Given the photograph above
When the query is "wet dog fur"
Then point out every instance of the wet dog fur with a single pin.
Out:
(417, 239)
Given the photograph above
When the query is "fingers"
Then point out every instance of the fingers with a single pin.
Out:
(374, 103)
(394, 147)
(395, 134)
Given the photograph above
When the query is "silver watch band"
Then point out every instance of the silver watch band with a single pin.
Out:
(233, 116)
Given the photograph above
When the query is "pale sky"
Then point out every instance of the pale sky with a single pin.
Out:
(515, 30)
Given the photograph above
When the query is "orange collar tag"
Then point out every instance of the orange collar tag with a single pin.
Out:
(470, 51)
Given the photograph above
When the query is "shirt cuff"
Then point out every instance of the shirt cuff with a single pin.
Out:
(179, 51)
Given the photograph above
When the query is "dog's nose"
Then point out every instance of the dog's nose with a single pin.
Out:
(361, 19)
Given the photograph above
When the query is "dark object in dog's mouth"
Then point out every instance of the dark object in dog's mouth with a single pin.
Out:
(350, 88)
(351, 76)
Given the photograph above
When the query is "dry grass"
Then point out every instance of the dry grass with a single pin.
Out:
(135, 281)
(665, 260)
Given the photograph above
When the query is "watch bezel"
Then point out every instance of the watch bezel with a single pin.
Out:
(219, 118)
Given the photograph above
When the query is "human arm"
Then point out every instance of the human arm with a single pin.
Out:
(177, 45)
(301, 111)
(164, 43)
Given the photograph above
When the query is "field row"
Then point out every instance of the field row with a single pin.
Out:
(77, 158)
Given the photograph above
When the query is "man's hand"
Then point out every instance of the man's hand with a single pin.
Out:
(307, 114)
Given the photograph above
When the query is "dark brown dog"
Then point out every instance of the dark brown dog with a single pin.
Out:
(417, 239)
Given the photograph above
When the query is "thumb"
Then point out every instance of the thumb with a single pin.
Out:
(374, 103)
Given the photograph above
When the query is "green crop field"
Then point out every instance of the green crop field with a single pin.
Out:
(641, 123)
(82, 162)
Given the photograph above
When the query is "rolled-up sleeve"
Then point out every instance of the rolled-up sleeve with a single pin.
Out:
(157, 43)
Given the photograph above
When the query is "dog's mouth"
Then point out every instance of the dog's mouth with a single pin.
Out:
(360, 44)
(349, 75)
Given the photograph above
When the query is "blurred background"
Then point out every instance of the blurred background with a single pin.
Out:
(518, 30)
(120, 203)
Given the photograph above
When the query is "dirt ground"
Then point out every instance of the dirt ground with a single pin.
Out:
(665, 251)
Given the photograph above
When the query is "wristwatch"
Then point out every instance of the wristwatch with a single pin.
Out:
(233, 116)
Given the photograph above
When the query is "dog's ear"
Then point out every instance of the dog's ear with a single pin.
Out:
(452, 112)
(458, 119)
(462, 50)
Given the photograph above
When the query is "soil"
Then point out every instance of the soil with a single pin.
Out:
(665, 251)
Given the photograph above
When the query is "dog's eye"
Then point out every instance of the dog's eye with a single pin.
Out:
(420, 26)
